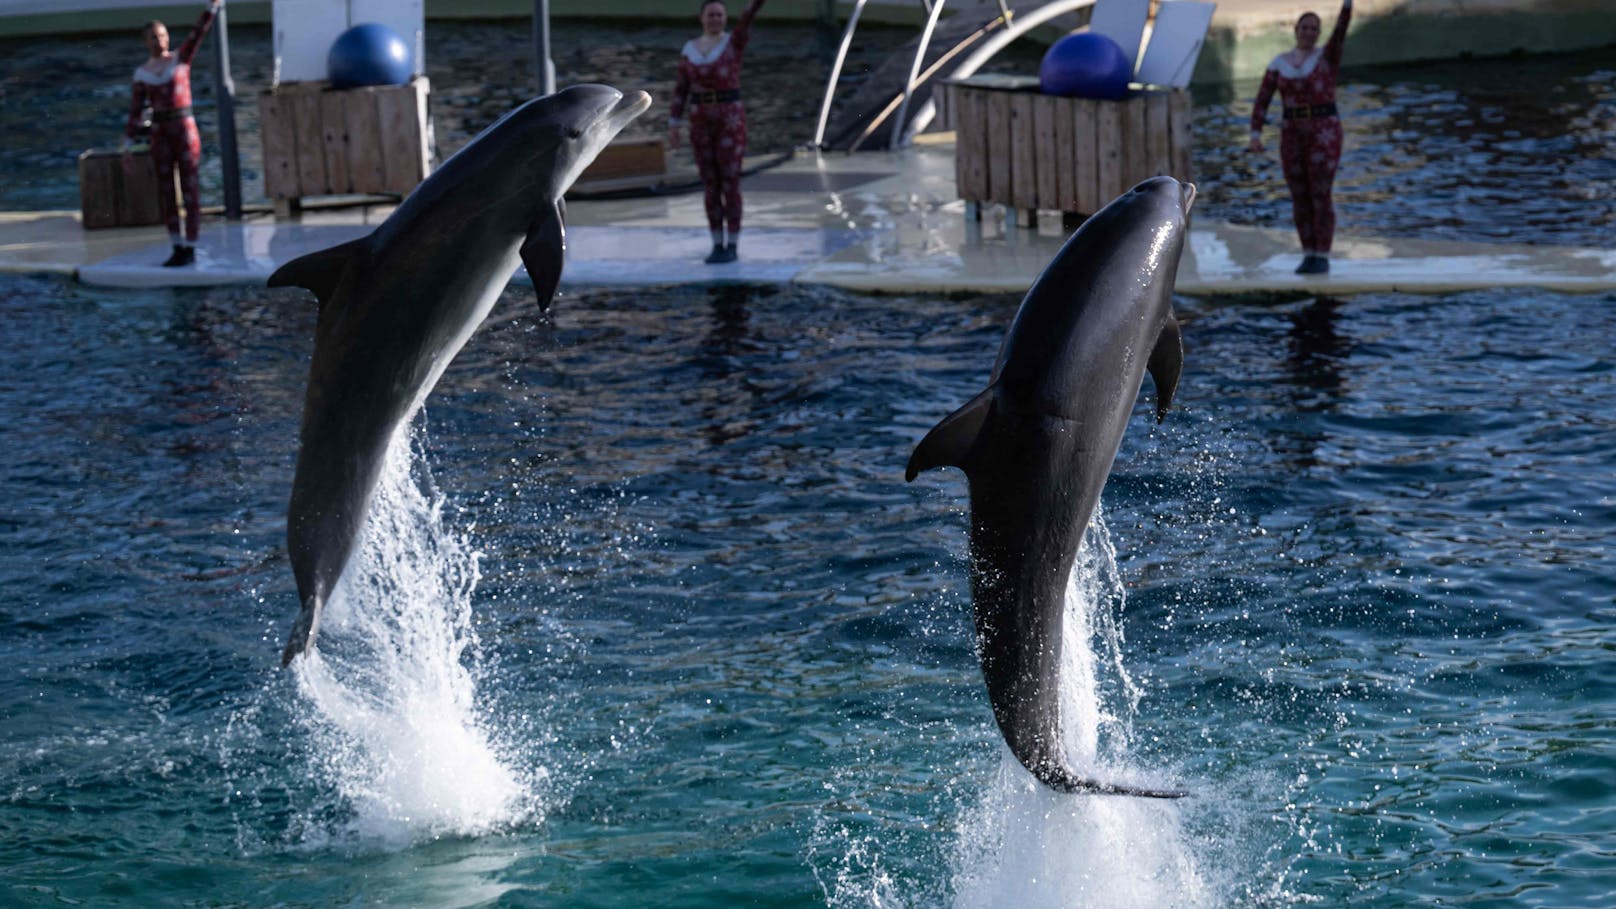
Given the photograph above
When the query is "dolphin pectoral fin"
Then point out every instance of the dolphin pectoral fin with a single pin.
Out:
(542, 255)
(1166, 365)
(950, 441)
(304, 627)
(318, 271)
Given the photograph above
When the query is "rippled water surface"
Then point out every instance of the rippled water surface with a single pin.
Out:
(678, 633)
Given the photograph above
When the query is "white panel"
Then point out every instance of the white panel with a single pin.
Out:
(407, 17)
(1175, 43)
(1123, 21)
(304, 30)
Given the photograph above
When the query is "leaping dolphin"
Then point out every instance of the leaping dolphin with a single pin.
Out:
(398, 304)
(1037, 445)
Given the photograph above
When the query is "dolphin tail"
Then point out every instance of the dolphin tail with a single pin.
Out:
(304, 628)
(1060, 779)
(1166, 365)
(950, 442)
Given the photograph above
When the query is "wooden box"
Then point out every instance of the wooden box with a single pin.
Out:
(1019, 147)
(628, 158)
(320, 141)
(109, 196)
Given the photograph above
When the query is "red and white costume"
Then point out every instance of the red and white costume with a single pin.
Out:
(175, 141)
(1310, 138)
(709, 86)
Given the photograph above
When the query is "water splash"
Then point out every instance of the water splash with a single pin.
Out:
(391, 691)
(1024, 845)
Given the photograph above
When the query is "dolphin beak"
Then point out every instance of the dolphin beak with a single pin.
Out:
(631, 105)
(1186, 196)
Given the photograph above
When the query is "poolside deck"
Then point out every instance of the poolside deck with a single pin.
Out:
(880, 222)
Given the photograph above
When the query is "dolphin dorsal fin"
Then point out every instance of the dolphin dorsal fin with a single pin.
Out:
(318, 271)
(951, 440)
(1166, 365)
(543, 253)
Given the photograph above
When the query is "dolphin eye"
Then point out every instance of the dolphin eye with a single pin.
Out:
(575, 133)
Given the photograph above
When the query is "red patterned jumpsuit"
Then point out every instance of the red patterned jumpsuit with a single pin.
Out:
(709, 85)
(1310, 139)
(175, 141)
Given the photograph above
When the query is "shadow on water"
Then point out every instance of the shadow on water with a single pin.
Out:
(1316, 382)
(725, 353)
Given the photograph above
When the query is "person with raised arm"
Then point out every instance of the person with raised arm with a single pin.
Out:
(163, 83)
(708, 91)
(1310, 136)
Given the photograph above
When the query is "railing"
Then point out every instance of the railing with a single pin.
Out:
(1015, 26)
(1023, 24)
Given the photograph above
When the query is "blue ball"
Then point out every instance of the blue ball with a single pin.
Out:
(369, 54)
(1085, 65)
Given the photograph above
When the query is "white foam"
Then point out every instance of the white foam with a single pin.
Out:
(390, 690)
(1022, 844)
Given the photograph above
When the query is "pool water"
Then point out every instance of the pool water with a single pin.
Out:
(648, 615)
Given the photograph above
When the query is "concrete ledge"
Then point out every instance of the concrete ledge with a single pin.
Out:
(1247, 34)
(888, 223)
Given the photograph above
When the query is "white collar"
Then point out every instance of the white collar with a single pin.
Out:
(142, 74)
(697, 57)
(1297, 72)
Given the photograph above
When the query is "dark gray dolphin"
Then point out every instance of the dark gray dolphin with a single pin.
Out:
(1037, 446)
(397, 305)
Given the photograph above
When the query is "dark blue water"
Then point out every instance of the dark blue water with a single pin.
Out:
(679, 634)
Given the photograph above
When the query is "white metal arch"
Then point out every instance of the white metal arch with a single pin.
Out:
(1018, 26)
(1024, 23)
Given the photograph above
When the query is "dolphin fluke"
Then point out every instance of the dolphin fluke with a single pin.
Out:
(303, 631)
(1064, 783)
(1061, 779)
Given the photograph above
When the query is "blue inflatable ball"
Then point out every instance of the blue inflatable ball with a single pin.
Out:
(1085, 65)
(369, 54)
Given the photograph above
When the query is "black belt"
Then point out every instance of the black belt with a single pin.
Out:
(719, 97)
(173, 113)
(1314, 112)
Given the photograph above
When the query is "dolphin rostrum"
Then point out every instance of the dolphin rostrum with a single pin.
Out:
(1037, 445)
(398, 304)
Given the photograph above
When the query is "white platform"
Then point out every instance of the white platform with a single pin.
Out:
(886, 222)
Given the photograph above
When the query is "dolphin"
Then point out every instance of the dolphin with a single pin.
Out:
(1037, 445)
(398, 304)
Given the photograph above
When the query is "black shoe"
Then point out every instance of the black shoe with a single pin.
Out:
(1314, 265)
(182, 255)
(729, 254)
(716, 256)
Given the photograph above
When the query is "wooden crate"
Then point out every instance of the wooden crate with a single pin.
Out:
(628, 158)
(1018, 147)
(109, 196)
(320, 141)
